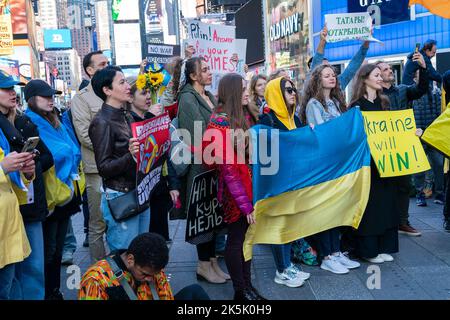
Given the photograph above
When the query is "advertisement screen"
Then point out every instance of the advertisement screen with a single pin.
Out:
(11, 67)
(57, 39)
(288, 36)
(127, 44)
(125, 10)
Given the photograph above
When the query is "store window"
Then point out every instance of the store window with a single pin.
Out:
(288, 26)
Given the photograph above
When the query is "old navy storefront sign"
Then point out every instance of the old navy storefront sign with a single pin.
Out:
(286, 27)
(382, 11)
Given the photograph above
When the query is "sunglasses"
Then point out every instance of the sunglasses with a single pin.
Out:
(291, 90)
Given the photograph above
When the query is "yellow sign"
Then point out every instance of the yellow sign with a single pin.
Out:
(6, 36)
(395, 148)
(438, 133)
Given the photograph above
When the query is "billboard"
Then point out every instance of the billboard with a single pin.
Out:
(382, 12)
(57, 39)
(11, 67)
(127, 40)
(6, 37)
(125, 10)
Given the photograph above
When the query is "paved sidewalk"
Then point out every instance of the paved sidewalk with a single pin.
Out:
(420, 271)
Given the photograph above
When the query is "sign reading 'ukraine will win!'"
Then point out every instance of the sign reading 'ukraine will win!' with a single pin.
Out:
(395, 148)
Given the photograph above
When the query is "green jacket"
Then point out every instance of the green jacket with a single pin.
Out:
(192, 107)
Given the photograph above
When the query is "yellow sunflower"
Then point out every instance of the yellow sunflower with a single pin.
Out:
(156, 79)
(141, 81)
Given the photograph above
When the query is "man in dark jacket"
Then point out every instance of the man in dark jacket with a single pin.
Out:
(401, 98)
(426, 110)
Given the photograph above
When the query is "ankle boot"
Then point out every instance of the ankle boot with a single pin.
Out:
(216, 267)
(206, 272)
(244, 295)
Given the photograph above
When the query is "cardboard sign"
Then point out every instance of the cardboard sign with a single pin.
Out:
(394, 146)
(154, 140)
(204, 211)
(349, 26)
(217, 44)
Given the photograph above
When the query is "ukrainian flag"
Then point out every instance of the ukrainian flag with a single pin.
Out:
(322, 182)
(437, 134)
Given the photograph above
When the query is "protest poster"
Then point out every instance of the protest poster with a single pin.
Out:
(217, 44)
(437, 134)
(154, 143)
(204, 213)
(161, 53)
(394, 146)
(349, 26)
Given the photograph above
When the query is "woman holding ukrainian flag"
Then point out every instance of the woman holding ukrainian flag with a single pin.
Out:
(64, 183)
(281, 97)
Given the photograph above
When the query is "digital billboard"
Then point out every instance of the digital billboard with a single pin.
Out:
(57, 39)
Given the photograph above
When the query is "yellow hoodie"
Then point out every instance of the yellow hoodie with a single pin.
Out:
(275, 101)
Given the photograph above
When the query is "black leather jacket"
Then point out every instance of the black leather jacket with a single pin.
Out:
(110, 133)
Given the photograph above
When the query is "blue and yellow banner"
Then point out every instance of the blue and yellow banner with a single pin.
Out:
(321, 180)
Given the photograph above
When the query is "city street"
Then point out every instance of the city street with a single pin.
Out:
(420, 271)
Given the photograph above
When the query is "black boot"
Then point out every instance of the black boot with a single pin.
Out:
(256, 294)
(243, 295)
(55, 295)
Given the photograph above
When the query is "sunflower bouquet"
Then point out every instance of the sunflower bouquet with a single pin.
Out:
(151, 81)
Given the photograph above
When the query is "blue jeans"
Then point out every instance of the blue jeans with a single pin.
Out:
(6, 281)
(29, 281)
(282, 255)
(120, 234)
(221, 241)
(70, 243)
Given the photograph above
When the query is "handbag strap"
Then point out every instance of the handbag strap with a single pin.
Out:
(152, 286)
(118, 273)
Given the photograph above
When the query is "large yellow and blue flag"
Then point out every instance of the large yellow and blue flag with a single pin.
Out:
(322, 181)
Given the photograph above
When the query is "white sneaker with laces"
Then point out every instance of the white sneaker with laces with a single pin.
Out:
(386, 257)
(332, 264)
(296, 269)
(377, 259)
(346, 262)
(288, 278)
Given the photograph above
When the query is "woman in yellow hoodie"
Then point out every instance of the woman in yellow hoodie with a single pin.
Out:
(14, 245)
(282, 98)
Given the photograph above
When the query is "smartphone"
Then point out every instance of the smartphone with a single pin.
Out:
(30, 144)
(417, 48)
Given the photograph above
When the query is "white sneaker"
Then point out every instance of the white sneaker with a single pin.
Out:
(386, 257)
(346, 262)
(288, 278)
(302, 275)
(377, 259)
(333, 265)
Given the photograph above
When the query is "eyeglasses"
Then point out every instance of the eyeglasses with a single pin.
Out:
(291, 90)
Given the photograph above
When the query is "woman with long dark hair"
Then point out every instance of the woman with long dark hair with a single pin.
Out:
(195, 107)
(65, 194)
(235, 182)
(377, 236)
(323, 102)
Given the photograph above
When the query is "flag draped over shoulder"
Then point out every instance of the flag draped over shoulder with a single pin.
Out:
(322, 181)
(438, 7)
(438, 133)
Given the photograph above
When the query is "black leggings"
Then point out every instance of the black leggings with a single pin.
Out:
(207, 250)
(447, 199)
(234, 257)
(54, 236)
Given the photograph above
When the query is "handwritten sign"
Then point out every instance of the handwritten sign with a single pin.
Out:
(204, 211)
(395, 148)
(349, 26)
(154, 140)
(217, 44)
